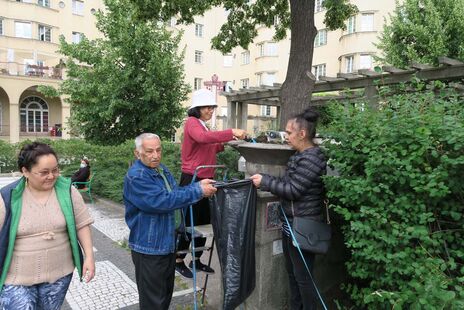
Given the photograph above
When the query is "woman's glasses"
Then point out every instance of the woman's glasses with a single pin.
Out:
(44, 173)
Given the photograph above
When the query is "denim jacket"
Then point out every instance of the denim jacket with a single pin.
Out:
(150, 208)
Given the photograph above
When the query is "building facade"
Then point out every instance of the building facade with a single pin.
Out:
(265, 61)
(29, 40)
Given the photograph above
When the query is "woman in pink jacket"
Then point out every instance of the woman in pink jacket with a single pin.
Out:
(199, 147)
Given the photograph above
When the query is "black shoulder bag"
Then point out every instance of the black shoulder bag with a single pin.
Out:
(311, 235)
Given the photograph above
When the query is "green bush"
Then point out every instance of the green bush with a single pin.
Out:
(8, 160)
(400, 190)
(109, 163)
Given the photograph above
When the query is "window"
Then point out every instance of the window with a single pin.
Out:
(198, 57)
(77, 37)
(77, 7)
(266, 110)
(367, 22)
(199, 30)
(172, 22)
(45, 33)
(269, 79)
(197, 83)
(23, 30)
(228, 60)
(1, 26)
(34, 115)
(259, 79)
(349, 64)
(267, 49)
(246, 58)
(319, 70)
(245, 83)
(365, 61)
(271, 49)
(321, 38)
(318, 5)
(276, 21)
(44, 3)
(351, 27)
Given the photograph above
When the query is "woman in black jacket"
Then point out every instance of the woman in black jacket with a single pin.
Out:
(82, 175)
(301, 192)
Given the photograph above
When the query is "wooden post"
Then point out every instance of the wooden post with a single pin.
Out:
(372, 96)
(231, 114)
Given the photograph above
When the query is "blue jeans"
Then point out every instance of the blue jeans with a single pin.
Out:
(43, 296)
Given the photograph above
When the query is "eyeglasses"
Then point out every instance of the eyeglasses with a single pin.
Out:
(55, 172)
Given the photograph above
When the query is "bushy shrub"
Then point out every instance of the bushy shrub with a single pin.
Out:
(401, 191)
(109, 163)
(8, 160)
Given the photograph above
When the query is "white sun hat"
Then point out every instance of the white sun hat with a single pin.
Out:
(203, 98)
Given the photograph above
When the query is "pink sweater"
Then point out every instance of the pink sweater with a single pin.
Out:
(200, 147)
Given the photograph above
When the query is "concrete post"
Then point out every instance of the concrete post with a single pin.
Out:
(14, 122)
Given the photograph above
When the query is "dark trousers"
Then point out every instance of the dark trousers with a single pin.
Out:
(154, 275)
(201, 216)
(303, 295)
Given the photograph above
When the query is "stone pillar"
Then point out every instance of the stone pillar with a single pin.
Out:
(14, 122)
(271, 291)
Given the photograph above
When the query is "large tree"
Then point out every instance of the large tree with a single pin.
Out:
(241, 28)
(128, 82)
(423, 30)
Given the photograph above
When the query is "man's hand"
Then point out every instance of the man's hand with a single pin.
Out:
(207, 187)
(239, 133)
(256, 179)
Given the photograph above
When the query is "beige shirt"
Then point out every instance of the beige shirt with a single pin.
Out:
(42, 252)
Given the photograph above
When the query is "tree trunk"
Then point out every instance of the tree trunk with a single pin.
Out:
(296, 91)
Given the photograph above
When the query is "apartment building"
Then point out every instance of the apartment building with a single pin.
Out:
(29, 40)
(29, 32)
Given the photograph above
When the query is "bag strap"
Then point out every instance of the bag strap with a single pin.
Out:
(302, 256)
(326, 204)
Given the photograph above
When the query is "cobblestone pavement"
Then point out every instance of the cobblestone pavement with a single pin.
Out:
(114, 284)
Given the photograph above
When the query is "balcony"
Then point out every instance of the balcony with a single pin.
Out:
(19, 69)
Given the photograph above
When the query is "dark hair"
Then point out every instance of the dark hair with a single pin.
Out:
(30, 153)
(195, 112)
(307, 121)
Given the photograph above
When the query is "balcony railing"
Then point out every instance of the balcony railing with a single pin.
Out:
(18, 69)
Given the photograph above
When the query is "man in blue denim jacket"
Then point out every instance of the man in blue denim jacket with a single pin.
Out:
(153, 201)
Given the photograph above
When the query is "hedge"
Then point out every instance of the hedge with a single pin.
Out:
(400, 190)
(109, 163)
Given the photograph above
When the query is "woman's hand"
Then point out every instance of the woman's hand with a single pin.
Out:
(239, 133)
(256, 179)
(88, 269)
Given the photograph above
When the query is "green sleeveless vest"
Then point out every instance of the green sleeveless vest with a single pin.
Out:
(63, 193)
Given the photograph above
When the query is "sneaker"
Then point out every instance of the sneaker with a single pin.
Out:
(183, 270)
(201, 267)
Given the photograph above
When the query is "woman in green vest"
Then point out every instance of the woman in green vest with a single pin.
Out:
(43, 225)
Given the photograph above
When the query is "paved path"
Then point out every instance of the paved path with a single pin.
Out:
(114, 284)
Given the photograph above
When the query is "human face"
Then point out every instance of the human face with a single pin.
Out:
(206, 113)
(43, 174)
(295, 137)
(150, 154)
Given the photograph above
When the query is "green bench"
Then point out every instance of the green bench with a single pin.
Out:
(87, 186)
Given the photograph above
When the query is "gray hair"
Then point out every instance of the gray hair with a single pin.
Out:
(144, 136)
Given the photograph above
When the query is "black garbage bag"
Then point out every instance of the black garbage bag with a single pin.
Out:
(233, 215)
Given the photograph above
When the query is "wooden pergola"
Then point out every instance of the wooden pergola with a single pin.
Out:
(238, 100)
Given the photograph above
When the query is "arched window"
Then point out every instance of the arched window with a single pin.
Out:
(34, 115)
